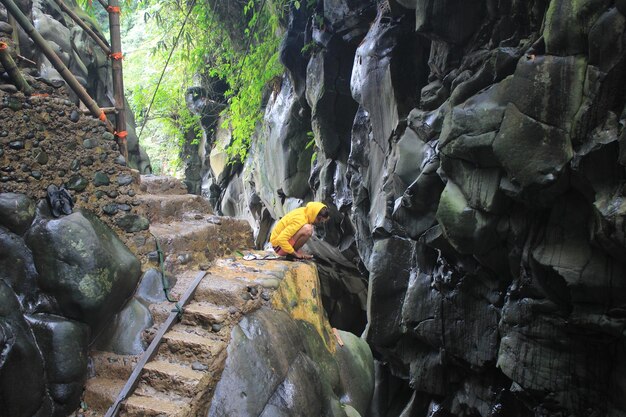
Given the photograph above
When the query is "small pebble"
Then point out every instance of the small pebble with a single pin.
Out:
(110, 209)
(216, 327)
(75, 116)
(197, 366)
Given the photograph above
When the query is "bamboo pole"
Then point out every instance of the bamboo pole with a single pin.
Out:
(106, 110)
(118, 77)
(13, 71)
(56, 62)
(83, 25)
(15, 34)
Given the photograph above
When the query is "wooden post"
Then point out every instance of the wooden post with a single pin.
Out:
(12, 69)
(83, 25)
(56, 62)
(118, 77)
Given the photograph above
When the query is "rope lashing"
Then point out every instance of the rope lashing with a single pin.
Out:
(116, 55)
(103, 116)
(3, 46)
(114, 9)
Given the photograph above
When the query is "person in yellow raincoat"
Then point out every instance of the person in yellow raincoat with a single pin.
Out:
(296, 228)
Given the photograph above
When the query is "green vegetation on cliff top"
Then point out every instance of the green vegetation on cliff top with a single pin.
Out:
(235, 41)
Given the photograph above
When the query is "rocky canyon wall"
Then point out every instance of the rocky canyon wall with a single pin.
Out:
(472, 153)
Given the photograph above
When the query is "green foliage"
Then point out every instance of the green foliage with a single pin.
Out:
(235, 40)
(240, 48)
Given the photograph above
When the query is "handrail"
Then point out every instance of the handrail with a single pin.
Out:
(152, 349)
(56, 62)
(83, 25)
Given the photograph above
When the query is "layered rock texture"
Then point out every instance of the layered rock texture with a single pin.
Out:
(472, 153)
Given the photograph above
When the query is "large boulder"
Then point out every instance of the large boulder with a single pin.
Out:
(87, 268)
(17, 212)
(63, 345)
(23, 392)
(280, 367)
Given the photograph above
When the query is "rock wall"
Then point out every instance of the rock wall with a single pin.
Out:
(84, 58)
(286, 360)
(62, 276)
(472, 153)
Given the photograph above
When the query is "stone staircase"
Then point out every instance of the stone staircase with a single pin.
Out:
(188, 232)
(179, 380)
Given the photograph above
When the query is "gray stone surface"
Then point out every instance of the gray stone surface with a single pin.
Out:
(124, 335)
(87, 268)
(475, 179)
(17, 211)
(59, 284)
(301, 377)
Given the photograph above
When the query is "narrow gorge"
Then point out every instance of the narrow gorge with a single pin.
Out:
(472, 154)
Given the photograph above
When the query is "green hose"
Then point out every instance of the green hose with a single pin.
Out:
(165, 283)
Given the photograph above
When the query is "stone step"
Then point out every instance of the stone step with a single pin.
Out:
(155, 184)
(205, 314)
(191, 347)
(223, 291)
(143, 406)
(192, 242)
(161, 311)
(111, 365)
(163, 208)
(101, 392)
(168, 377)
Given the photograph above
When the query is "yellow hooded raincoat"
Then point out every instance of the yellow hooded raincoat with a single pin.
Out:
(292, 222)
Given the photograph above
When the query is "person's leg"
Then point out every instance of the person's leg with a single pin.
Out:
(298, 240)
(302, 236)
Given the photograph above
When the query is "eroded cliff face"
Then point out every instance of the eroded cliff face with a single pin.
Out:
(472, 153)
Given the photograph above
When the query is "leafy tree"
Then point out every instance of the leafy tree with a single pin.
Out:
(236, 41)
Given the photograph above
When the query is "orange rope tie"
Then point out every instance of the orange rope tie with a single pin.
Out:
(122, 135)
(103, 116)
(114, 9)
(3, 46)
(116, 55)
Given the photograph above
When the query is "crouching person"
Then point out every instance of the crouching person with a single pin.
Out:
(296, 228)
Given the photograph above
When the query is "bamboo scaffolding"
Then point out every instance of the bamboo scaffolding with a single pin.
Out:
(83, 25)
(15, 35)
(56, 62)
(118, 77)
(14, 72)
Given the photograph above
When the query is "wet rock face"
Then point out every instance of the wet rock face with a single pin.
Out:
(59, 284)
(300, 376)
(482, 191)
